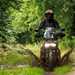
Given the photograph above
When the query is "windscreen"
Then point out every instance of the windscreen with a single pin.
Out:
(49, 33)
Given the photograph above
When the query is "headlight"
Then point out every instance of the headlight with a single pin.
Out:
(50, 45)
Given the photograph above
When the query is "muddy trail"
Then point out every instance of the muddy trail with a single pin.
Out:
(49, 73)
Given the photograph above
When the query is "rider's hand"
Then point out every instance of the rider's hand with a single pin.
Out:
(62, 30)
(36, 30)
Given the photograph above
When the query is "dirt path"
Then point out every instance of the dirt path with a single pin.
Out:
(71, 73)
(48, 73)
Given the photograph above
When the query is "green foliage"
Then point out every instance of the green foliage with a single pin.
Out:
(5, 20)
(13, 58)
(22, 71)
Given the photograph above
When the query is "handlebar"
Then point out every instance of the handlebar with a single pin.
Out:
(60, 34)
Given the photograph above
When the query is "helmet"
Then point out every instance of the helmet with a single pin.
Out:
(49, 12)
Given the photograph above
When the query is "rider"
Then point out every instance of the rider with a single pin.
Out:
(49, 20)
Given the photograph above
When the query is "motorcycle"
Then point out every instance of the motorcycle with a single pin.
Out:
(50, 53)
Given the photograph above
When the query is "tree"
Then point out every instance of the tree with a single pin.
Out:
(5, 19)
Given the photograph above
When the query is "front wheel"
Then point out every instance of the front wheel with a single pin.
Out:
(49, 57)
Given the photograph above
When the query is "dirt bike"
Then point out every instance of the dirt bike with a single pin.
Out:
(50, 53)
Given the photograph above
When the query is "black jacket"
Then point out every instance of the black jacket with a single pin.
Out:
(51, 23)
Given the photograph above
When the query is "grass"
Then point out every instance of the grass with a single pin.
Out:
(22, 71)
(13, 57)
(34, 71)
(63, 70)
